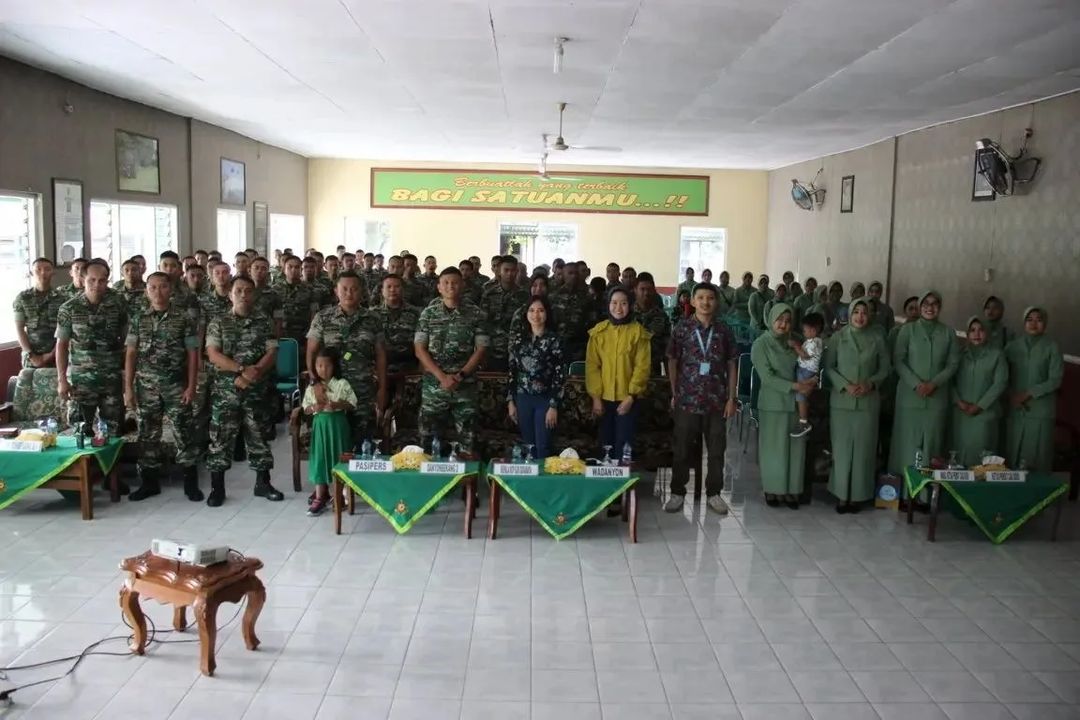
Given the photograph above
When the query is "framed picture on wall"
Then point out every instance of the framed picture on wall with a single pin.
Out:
(981, 188)
(68, 234)
(233, 189)
(137, 163)
(847, 193)
(261, 227)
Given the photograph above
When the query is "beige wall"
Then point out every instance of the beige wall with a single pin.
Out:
(40, 141)
(1027, 244)
(272, 175)
(737, 202)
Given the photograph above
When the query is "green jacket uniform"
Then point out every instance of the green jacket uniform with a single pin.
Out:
(38, 312)
(725, 300)
(756, 307)
(1036, 366)
(883, 317)
(499, 305)
(96, 336)
(854, 356)
(801, 306)
(162, 341)
(781, 457)
(741, 307)
(399, 330)
(233, 410)
(574, 317)
(298, 306)
(997, 335)
(657, 322)
(687, 285)
(451, 335)
(925, 352)
(982, 379)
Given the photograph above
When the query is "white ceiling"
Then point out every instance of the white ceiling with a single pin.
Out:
(676, 83)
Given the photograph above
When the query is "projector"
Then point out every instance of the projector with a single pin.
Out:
(190, 553)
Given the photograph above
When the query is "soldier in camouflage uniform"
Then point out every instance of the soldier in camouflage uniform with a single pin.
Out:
(242, 264)
(75, 287)
(450, 342)
(131, 284)
(575, 313)
(277, 270)
(472, 290)
(397, 267)
(298, 306)
(89, 335)
(649, 311)
(36, 310)
(195, 279)
(499, 305)
(322, 294)
(243, 350)
(398, 322)
(182, 296)
(415, 290)
(213, 303)
(266, 300)
(357, 334)
(372, 277)
(160, 373)
(430, 278)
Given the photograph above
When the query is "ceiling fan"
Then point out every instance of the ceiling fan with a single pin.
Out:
(541, 169)
(560, 144)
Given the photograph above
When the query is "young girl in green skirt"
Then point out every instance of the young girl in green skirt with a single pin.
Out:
(329, 400)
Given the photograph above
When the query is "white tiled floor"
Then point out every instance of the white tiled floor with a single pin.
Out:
(766, 614)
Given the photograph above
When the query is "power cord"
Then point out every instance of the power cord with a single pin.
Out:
(89, 650)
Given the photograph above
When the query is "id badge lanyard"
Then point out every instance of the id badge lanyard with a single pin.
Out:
(704, 366)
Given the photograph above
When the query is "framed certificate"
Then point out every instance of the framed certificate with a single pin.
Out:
(67, 220)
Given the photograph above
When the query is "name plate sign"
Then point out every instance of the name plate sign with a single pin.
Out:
(378, 466)
(22, 445)
(515, 469)
(607, 471)
(1007, 476)
(954, 475)
(442, 468)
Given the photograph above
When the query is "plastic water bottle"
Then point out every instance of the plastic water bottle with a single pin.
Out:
(919, 459)
(627, 455)
(101, 428)
(436, 448)
(515, 455)
(52, 426)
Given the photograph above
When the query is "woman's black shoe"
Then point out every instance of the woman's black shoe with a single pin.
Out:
(772, 501)
(842, 509)
(793, 504)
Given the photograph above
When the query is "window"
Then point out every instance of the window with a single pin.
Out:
(19, 242)
(371, 236)
(286, 231)
(538, 243)
(121, 230)
(231, 233)
(702, 248)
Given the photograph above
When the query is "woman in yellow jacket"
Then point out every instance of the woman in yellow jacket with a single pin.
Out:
(617, 371)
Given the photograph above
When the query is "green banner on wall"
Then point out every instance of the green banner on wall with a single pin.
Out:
(561, 192)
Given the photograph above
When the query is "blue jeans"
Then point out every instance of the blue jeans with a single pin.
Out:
(534, 431)
(801, 374)
(617, 430)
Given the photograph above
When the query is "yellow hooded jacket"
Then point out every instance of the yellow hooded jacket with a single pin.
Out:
(617, 361)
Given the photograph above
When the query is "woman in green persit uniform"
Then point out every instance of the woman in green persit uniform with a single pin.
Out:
(997, 335)
(780, 456)
(756, 304)
(741, 308)
(805, 301)
(911, 314)
(926, 358)
(980, 382)
(857, 365)
(1035, 370)
(781, 296)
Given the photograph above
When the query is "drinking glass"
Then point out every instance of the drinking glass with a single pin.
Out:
(607, 455)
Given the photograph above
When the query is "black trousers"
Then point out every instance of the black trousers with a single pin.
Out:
(689, 428)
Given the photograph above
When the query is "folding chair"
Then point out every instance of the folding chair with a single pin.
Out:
(577, 369)
(287, 376)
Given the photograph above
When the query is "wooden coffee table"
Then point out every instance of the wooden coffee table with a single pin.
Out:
(202, 588)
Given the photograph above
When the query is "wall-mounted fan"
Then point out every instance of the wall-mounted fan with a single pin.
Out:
(1003, 171)
(807, 195)
(560, 144)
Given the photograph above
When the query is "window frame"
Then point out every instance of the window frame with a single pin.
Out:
(681, 268)
(530, 248)
(37, 249)
(150, 255)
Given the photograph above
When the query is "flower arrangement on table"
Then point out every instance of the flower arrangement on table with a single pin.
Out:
(409, 458)
(566, 463)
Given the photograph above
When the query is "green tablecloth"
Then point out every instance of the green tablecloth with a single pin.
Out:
(998, 509)
(21, 472)
(402, 497)
(563, 503)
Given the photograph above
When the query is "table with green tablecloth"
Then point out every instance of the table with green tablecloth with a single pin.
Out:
(62, 467)
(997, 508)
(404, 496)
(563, 503)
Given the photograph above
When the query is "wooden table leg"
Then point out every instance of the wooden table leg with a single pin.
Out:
(631, 500)
(114, 483)
(493, 509)
(910, 510)
(86, 490)
(206, 614)
(179, 618)
(935, 502)
(1057, 517)
(470, 503)
(256, 598)
(338, 499)
(352, 501)
(129, 604)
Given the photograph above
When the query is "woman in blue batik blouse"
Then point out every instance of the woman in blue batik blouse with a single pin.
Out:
(537, 375)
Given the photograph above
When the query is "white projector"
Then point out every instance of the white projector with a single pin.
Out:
(190, 553)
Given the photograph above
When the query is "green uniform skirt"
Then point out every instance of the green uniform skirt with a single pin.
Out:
(854, 436)
(780, 456)
(1030, 439)
(972, 435)
(331, 435)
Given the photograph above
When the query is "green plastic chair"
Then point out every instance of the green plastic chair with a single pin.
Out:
(287, 376)
(577, 368)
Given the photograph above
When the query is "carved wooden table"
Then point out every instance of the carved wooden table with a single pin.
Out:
(202, 588)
